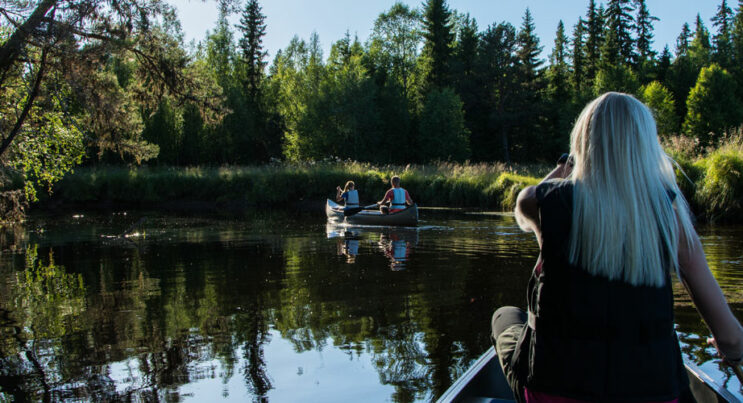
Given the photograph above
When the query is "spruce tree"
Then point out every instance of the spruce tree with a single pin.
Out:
(723, 21)
(619, 22)
(644, 31)
(529, 49)
(663, 65)
(737, 38)
(496, 73)
(737, 48)
(464, 64)
(438, 33)
(530, 93)
(594, 28)
(578, 58)
(700, 49)
(253, 28)
(558, 92)
(682, 41)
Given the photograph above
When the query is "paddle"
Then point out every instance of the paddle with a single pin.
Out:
(351, 211)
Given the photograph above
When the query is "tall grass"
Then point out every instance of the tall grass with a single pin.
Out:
(491, 186)
(712, 178)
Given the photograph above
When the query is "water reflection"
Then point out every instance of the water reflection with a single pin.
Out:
(268, 307)
(396, 243)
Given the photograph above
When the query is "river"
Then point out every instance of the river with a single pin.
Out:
(274, 306)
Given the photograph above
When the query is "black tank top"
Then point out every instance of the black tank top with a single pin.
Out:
(590, 338)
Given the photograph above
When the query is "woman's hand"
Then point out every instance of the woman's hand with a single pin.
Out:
(732, 361)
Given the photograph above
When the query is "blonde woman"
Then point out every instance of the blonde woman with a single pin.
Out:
(612, 227)
(348, 194)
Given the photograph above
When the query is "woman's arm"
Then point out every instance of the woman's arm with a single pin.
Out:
(338, 193)
(708, 298)
(527, 208)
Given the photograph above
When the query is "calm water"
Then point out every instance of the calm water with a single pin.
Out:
(274, 307)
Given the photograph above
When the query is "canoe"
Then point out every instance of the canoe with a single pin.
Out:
(484, 382)
(407, 217)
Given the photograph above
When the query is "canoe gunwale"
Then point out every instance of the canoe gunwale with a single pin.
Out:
(407, 217)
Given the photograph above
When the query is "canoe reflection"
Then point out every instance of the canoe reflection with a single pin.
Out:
(395, 243)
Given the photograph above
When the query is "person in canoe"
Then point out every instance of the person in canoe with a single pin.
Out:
(348, 194)
(397, 197)
(613, 229)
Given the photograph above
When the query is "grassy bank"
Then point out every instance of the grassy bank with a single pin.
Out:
(712, 182)
(491, 186)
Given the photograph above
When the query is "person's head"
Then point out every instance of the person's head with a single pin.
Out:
(622, 178)
(395, 181)
(349, 186)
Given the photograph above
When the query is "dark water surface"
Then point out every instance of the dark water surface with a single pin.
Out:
(278, 306)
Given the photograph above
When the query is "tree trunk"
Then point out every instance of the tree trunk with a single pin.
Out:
(10, 51)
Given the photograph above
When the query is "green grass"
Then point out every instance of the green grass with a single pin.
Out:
(712, 182)
(491, 186)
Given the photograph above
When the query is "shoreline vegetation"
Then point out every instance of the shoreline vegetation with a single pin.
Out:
(712, 183)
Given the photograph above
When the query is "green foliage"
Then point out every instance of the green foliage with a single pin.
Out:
(164, 128)
(443, 135)
(660, 101)
(439, 39)
(45, 155)
(508, 186)
(712, 106)
(616, 78)
(700, 51)
(441, 184)
(721, 189)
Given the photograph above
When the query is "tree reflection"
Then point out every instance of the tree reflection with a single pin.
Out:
(104, 320)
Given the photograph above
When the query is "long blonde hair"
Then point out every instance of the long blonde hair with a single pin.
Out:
(624, 224)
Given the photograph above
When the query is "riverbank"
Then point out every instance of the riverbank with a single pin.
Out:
(486, 186)
(713, 185)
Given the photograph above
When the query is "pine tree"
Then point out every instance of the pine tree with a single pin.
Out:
(253, 28)
(644, 31)
(723, 21)
(438, 33)
(618, 22)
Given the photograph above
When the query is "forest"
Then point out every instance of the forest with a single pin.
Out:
(112, 83)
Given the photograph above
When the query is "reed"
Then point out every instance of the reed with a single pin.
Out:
(712, 181)
(491, 186)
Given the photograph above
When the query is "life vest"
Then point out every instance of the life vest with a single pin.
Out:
(398, 198)
(353, 198)
(590, 338)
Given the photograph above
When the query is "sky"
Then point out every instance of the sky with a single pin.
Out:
(331, 19)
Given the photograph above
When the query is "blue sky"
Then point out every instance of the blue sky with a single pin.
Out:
(332, 18)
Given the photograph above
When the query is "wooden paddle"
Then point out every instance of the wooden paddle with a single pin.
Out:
(351, 211)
